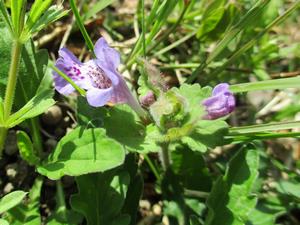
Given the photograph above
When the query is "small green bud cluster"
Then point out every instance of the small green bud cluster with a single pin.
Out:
(170, 110)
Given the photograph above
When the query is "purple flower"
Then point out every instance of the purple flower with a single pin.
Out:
(220, 104)
(99, 77)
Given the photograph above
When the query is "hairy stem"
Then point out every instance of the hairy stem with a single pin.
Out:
(10, 89)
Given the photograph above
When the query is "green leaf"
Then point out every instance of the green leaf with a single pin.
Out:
(3, 222)
(83, 151)
(28, 213)
(207, 133)
(61, 215)
(178, 208)
(121, 124)
(37, 9)
(135, 188)
(33, 74)
(17, 14)
(240, 51)
(52, 14)
(266, 211)
(11, 200)
(174, 204)
(26, 148)
(249, 19)
(194, 96)
(211, 17)
(230, 200)
(194, 220)
(97, 7)
(5, 16)
(36, 106)
(5, 53)
(160, 11)
(291, 188)
(101, 197)
(191, 169)
(1, 111)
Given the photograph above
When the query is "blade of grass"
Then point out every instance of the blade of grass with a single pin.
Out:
(175, 44)
(149, 21)
(264, 127)
(251, 43)
(282, 83)
(180, 66)
(234, 139)
(172, 29)
(160, 18)
(80, 24)
(246, 21)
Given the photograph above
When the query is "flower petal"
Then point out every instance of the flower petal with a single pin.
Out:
(61, 85)
(220, 104)
(98, 97)
(215, 102)
(110, 72)
(220, 88)
(230, 102)
(68, 56)
(106, 54)
(73, 68)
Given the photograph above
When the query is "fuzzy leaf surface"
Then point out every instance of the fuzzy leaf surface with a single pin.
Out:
(121, 124)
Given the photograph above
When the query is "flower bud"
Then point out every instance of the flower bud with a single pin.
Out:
(220, 104)
(147, 99)
(169, 110)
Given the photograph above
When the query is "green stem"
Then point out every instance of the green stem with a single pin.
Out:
(195, 194)
(10, 89)
(61, 200)
(143, 28)
(36, 136)
(3, 133)
(152, 167)
(12, 78)
(165, 157)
